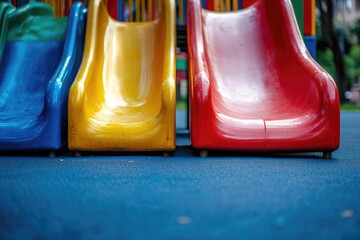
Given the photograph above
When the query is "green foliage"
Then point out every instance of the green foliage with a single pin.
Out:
(351, 57)
(352, 63)
(355, 30)
(181, 105)
(350, 107)
(325, 59)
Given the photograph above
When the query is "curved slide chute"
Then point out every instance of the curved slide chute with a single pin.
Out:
(39, 58)
(123, 98)
(254, 86)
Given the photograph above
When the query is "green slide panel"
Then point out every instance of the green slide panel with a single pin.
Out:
(299, 13)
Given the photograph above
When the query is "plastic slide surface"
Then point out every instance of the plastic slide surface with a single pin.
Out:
(123, 98)
(254, 86)
(39, 59)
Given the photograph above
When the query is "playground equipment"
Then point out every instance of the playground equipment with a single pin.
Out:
(254, 87)
(304, 12)
(39, 58)
(123, 97)
(223, 5)
(61, 7)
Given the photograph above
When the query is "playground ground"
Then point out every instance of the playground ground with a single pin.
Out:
(224, 196)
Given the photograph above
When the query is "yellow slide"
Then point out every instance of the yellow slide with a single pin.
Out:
(123, 98)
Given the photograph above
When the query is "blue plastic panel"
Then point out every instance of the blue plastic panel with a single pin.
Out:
(35, 78)
(121, 10)
(184, 12)
(310, 42)
(203, 3)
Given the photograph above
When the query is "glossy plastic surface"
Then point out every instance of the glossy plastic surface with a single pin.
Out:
(248, 3)
(37, 67)
(310, 17)
(254, 86)
(298, 6)
(123, 98)
(310, 43)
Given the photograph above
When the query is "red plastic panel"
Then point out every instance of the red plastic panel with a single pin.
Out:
(254, 85)
(309, 18)
(113, 8)
(247, 3)
(210, 5)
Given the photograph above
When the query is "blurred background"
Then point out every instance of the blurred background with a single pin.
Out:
(334, 42)
(338, 49)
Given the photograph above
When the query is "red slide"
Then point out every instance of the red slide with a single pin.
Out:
(254, 86)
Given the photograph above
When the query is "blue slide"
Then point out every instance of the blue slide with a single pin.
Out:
(39, 59)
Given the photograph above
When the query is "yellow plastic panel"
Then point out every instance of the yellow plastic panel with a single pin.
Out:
(123, 98)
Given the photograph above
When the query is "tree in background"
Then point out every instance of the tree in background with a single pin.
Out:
(352, 59)
(328, 32)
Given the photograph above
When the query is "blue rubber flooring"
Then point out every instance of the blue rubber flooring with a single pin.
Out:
(224, 196)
